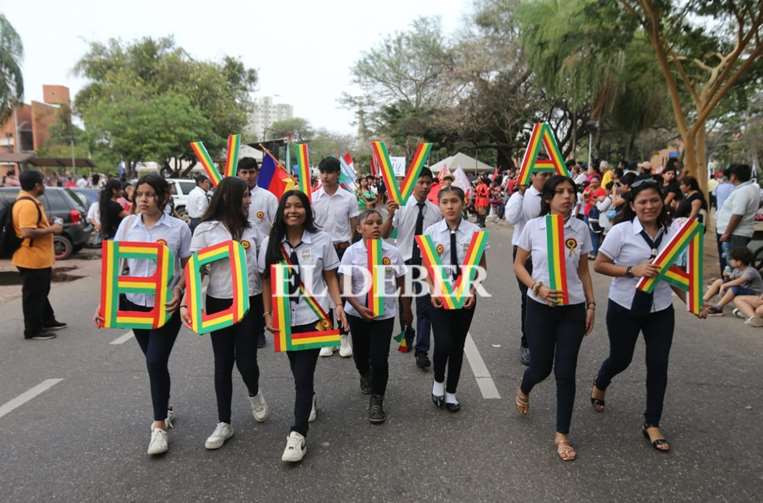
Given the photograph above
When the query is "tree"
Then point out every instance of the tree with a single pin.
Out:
(126, 77)
(297, 128)
(11, 78)
(703, 49)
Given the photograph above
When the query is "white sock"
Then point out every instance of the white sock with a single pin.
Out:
(438, 388)
(451, 398)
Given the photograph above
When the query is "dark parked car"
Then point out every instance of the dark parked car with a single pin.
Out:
(87, 196)
(64, 204)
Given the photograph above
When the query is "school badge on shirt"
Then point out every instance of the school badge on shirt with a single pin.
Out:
(440, 249)
(571, 245)
(260, 214)
(162, 242)
(245, 244)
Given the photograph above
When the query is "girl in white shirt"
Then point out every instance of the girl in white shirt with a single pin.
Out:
(640, 232)
(151, 224)
(450, 327)
(294, 233)
(226, 219)
(371, 335)
(555, 332)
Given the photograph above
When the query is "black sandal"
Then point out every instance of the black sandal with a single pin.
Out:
(597, 403)
(657, 444)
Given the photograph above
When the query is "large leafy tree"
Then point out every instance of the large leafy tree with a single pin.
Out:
(148, 99)
(11, 79)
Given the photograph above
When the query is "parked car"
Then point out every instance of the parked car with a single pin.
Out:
(180, 187)
(87, 196)
(62, 203)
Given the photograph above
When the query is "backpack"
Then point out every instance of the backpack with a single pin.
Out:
(9, 241)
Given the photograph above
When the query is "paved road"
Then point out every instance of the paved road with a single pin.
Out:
(84, 438)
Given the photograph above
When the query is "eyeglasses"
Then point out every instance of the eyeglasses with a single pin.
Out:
(649, 182)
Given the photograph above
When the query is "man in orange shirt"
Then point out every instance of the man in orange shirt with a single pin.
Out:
(34, 258)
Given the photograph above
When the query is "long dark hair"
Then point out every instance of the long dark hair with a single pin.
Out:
(549, 189)
(277, 233)
(226, 206)
(160, 186)
(627, 214)
(103, 204)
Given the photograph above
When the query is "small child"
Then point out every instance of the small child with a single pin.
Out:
(744, 280)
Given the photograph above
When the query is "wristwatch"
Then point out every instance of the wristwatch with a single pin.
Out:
(628, 272)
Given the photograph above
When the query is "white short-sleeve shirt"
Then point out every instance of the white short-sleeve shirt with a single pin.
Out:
(625, 246)
(197, 202)
(220, 286)
(440, 234)
(577, 242)
(405, 223)
(315, 254)
(262, 209)
(743, 201)
(173, 231)
(333, 213)
(355, 260)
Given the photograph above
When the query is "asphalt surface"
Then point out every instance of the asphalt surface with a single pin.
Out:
(84, 439)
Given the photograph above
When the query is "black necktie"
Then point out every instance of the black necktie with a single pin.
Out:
(419, 229)
(454, 254)
(643, 301)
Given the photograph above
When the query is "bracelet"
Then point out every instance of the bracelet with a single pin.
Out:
(268, 314)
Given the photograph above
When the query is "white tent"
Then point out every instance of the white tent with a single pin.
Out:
(464, 162)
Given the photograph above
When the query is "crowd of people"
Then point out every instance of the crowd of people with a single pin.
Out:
(618, 217)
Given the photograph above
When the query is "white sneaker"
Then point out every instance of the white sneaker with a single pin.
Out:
(754, 321)
(296, 447)
(345, 347)
(260, 409)
(223, 431)
(739, 314)
(327, 351)
(313, 411)
(158, 443)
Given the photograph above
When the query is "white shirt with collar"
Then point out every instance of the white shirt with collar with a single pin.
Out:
(355, 260)
(405, 223)
(171, 230)
(333, 213)
(220, 285)
(577, 241)
(743, 201)
(262, 209)
(625, 246)
(440, 234)
(515, 216)
(315, 254)
(197, 202)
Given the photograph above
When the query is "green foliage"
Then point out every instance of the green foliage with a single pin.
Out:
(11, 78)
(297, 128)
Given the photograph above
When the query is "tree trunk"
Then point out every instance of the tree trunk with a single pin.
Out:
(574, 133)
(702, 159)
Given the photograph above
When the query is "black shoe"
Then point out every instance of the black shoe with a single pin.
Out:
(422, 361)
(261, 341)
(364, 388)
(453, 407)
(524, 355)
(42, 336)
(438, 401)
(376, 413)
(54, 325)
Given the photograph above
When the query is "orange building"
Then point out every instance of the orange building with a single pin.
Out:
(27, 128)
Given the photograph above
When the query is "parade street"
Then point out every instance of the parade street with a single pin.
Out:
(75, 415)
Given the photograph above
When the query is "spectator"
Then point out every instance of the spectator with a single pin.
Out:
(82, 182)
(670, 190)
(607, 173)
(110, 211)
(198, 201)
(125, 200)
(693, 203)
(734, 221)
(751, 308)
(34, 258)
(744, 280)
(723, 189)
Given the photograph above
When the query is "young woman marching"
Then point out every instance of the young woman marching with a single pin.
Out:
(226, 219)
(151, 224)
(555, 331)
(640, 233)
(295, 237)
(451, 237)
(371, 334)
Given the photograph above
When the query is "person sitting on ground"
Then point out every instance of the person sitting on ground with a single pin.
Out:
(750, 307)
(744, 280)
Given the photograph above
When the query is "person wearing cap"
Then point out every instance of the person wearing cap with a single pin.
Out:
(336, 213)
(198, 202)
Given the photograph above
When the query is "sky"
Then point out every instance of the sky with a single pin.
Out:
(302, 50)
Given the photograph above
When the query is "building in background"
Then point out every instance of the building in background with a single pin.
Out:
(265, 112)
(27, 128)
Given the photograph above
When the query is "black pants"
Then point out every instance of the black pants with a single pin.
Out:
(235, 344)
(623, 328)
(555, 335)
(424, 310)
(370, 349)
(523, 293)
(450, 328)
(35, 287)
(156, 345)
(302, 365)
